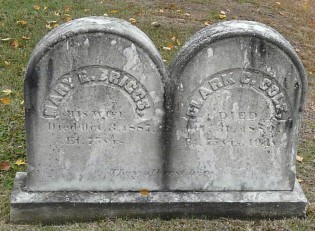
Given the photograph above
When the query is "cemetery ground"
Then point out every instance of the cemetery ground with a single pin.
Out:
(169, 24)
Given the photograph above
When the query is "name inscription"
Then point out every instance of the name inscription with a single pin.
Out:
(262, 83)
(61, 91)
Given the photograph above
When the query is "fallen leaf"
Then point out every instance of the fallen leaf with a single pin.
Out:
(86, 10)
(25, 37)
(22, 102)
(15, 43)
(174, 38)
(7, 63)
(144, 192)
(114, 11)
(67, 8)
(164, 60)
(132, 20)
(45, 8)
(106, 15)
(7, 91)
(52, 21)
(20, 162)
(68, 18)
(161, 11)
(178, 42)
(297, 50)
(57, 13)
(299, 180)
(206, 23)
(187, 15)
(168, 47)
(36, 7)
(22, 22)
(5, 166)
(222, 15)
(156, 24)
(299, 158)
(281, 13)
(6, 39)
(278, 3)
(6, 101)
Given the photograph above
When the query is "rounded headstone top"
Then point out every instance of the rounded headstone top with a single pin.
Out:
(96, 24)
(229, 29)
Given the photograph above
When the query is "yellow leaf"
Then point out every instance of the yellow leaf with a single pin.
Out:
(6, 101)
(299, 158)
(48, 26)
(299, 180)
(132, 20)
(144, 192)
(86, 10)
(222, 15)
(278, 3)
(114, 11)
(156, 24)
(161, 11)
(45, 8)
(25, 37)
(68, 18)
(52, 21)
(187, 14)
(6, 39)
(67, 8)
(7, 91)
(169, 47)
(20, 162)
(7, 63)
(206, 23)
(178, 42)
(22, 22)
(15, 43)
(36, 7)
(22, 102)
(57, 13)
(5, 166)
(174, 38)
(106, 15)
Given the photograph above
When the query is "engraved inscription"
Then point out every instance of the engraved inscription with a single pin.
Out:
(97, 75)
(262, 83)
(247, 109)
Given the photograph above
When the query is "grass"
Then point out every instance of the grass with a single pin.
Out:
(293, 18)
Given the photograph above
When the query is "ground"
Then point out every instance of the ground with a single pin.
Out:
(23, 23)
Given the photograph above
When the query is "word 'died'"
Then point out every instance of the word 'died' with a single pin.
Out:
(96, 75)
(240, 79)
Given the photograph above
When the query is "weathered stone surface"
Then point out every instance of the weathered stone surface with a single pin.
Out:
(94, 107)
(59, 207)
(235, 108)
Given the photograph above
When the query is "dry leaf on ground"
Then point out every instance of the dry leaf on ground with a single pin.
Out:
(7, 91)
(299, 158)
(20, 162)
(5, 166)
(6, 101)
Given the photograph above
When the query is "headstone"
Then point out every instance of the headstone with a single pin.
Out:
(99, 144)
(94, 107)
(239, 93)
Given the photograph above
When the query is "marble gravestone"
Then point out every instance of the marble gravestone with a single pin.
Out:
(237, 102)
(94, 108)
(101, 141)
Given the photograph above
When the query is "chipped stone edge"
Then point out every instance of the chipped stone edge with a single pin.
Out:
(235, 28)
(93, 24)
(60, 207)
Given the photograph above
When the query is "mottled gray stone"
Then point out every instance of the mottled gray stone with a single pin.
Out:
(59, 207)
(235, 104)
(94, 107)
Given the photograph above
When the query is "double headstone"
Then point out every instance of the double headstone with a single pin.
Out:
(101, 141)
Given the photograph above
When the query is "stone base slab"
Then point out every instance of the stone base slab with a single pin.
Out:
(59, 207)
